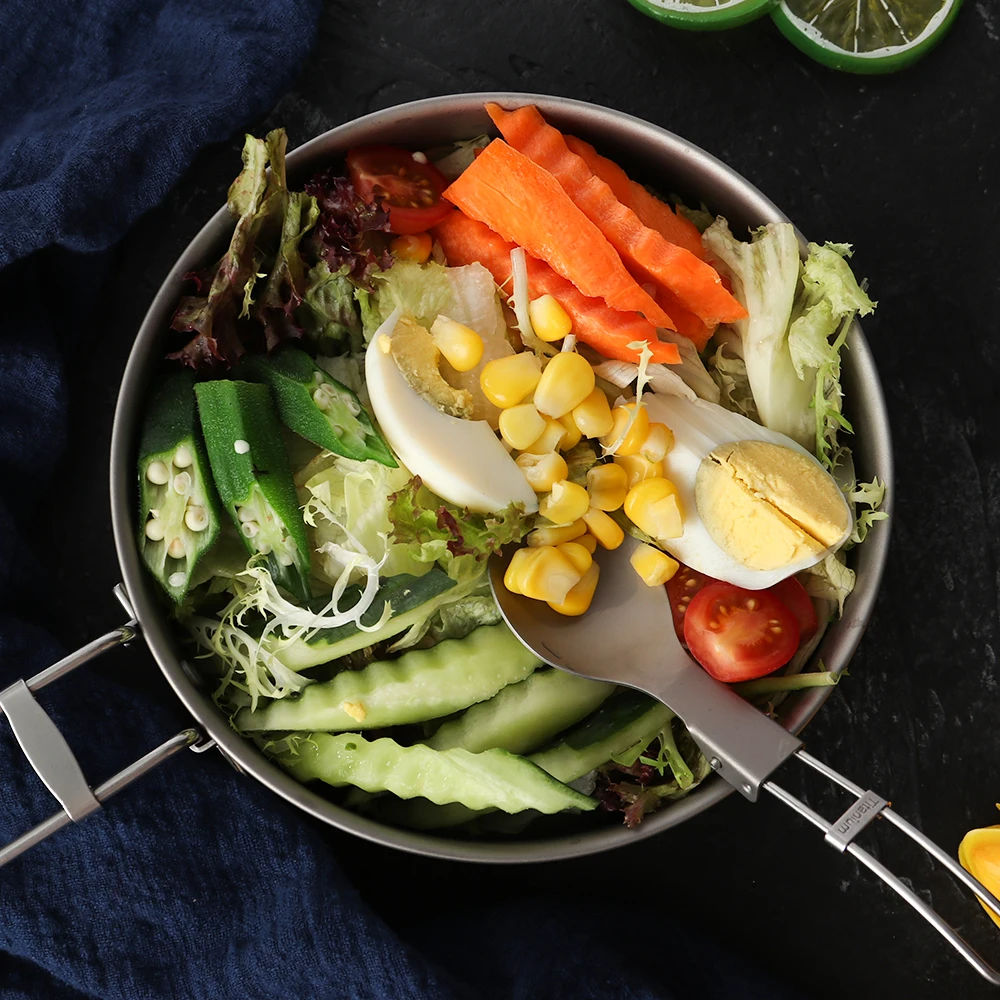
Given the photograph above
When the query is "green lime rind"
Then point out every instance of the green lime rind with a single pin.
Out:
(888, 59)
(691, 16)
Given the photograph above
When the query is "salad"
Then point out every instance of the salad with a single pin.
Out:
(428, 355)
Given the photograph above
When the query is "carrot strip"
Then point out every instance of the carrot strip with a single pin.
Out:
(650, 257)
(466, 241)
(651, 211)
(697, 331)
(524, 204)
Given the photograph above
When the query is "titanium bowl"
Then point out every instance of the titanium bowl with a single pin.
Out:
(654, 156)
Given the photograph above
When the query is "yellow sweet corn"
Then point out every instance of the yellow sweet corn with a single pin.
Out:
(550, 439)
(659, 441)
(416, 247)
(548, 319)
(542, 471)
(462, 348)
(607, 486)
(547, 575)
(593, 415)
(516, 568)
(507, 381)
(521, 425)
(578, 600)
(588, 541)
(566, 502)
(577, 555)
(979, 855)
(636, 433)
(653, 506)
(566, 382)
(573, 433)
(605, 529)
(638, 468)
(653, 566)
(552, 535)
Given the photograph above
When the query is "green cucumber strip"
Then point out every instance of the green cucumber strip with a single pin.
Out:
(179, 516)
(318, 407)
(421, 684)
(524, 716)
(493, 779)
(412, 598)
(251, 473)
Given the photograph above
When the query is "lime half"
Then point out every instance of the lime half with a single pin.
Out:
(865, 36)
(704, 15)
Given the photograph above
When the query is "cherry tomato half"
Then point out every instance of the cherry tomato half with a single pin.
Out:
(793, 595)
(409, 189)
(681, 588)
(736, 634)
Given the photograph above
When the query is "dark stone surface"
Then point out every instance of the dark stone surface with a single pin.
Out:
(904, 167)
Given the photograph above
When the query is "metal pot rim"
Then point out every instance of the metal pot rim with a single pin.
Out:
(657, 150)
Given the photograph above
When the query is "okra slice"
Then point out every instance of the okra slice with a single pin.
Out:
(319, 408)
(178, 509)
(251, 473)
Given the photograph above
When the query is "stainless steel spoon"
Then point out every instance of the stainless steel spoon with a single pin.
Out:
(627, 637)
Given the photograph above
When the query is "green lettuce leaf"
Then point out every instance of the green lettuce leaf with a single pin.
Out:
(730, 374)
(329, 313)
(870, 495)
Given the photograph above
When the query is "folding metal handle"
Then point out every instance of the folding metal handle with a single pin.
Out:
(868, 806)
(50, 755)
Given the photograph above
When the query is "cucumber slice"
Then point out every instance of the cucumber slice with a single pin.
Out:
(522, 717)
(421, 684)
(704, 15)
(493, 779)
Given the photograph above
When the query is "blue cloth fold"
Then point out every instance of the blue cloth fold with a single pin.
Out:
(196, 883)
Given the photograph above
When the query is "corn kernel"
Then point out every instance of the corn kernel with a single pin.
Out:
(566, 382)
(550, 439)
(579, 599)
(507, 381)
(593, 415)
(462, 348)
(557, 535)
(548, 319)
(638, 468)
(542, 471)
(548, 575)
(577, 555)
(588, 542)
(636, 433)
(516, 568)
(604, 528)
(659, 442)
(654, 567)
(416, 247)
(573, 433)
(565, 503)
(653, 506)
(607, 486)
(521, 425)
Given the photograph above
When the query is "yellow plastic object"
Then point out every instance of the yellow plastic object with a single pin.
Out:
(566, 382)
(577, 601)
(654, 567)
(636, 434)
(521, 425)
(551, 438)
(567, 502)
(979, 855)
(508, 381)
(556, 535)
(604, 528)
(653, 506)
(638, 468)
(416, 247)
(593, 415)
(573, 433)
(607, 486)
(462, 348)
(548, 575)
(548, 319)
(588, 541)
(577, 554)
(542, 471)
(658, 443)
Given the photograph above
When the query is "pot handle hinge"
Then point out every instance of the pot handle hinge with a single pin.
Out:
(49, 753)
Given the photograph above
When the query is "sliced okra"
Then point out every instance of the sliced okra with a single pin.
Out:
(319, 408)
(178, 508)
(251, 473)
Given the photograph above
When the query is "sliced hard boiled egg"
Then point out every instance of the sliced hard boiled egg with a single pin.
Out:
(757, 506)
(462, 461)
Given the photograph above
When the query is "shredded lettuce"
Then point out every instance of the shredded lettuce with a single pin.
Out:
(830, 580)
(729, 371)
(452, 163)
(871, 495)
(519, 298)
(641, 379)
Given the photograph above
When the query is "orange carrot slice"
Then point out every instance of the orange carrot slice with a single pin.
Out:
(466, 241)
(651, 211)
(650, 257)
(524, 204)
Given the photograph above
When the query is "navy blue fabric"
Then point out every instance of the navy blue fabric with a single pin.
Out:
(195, 883)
